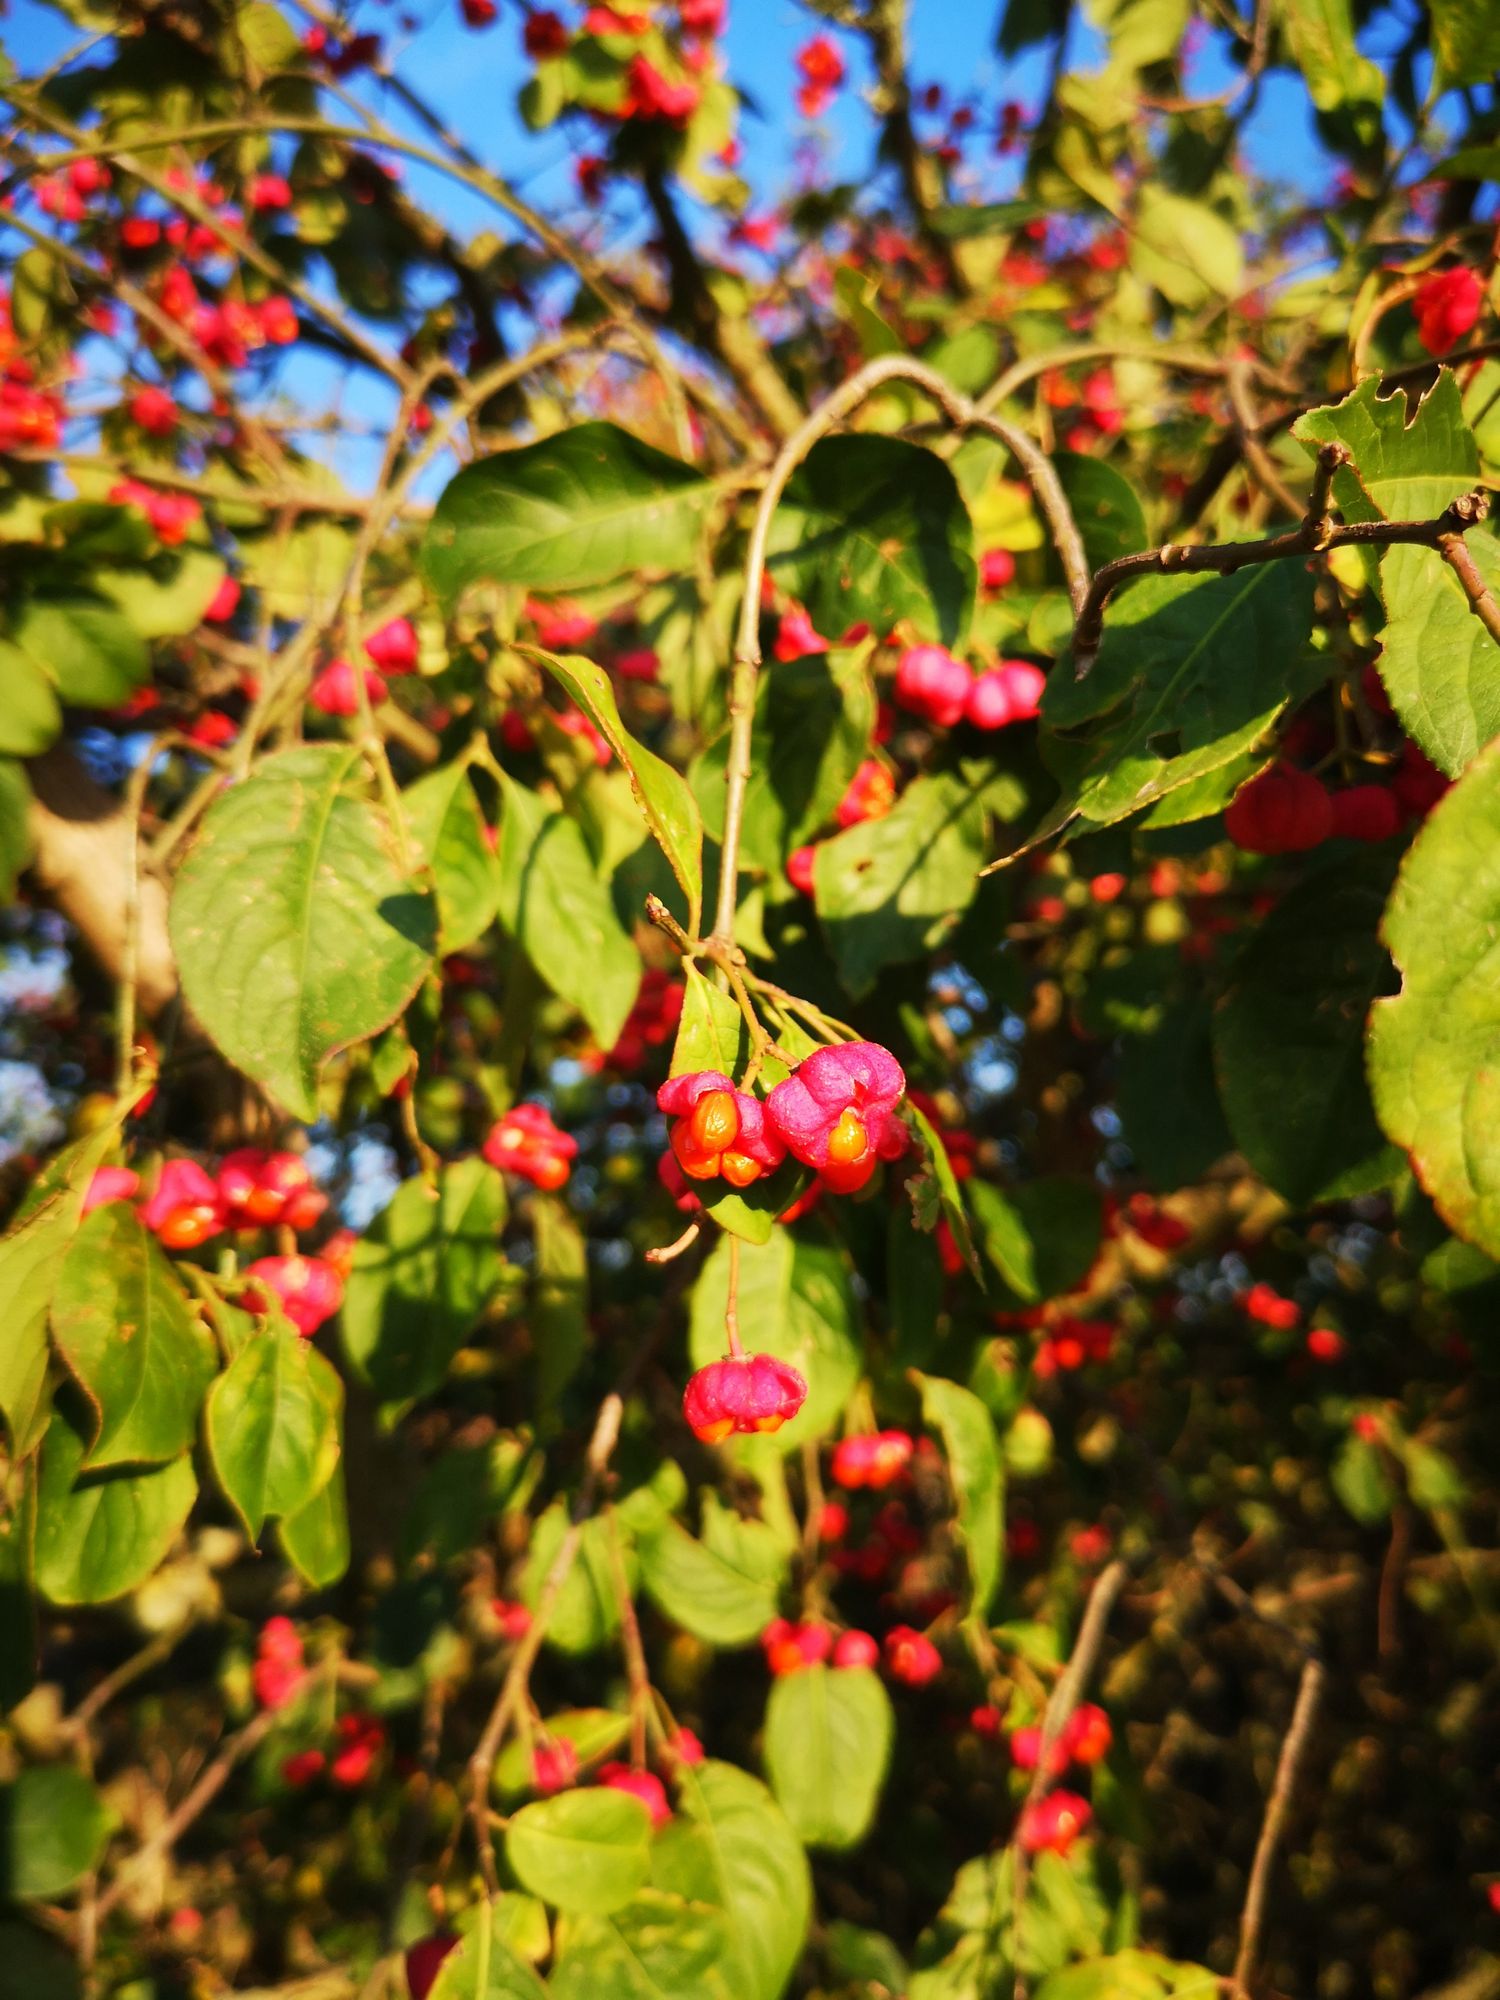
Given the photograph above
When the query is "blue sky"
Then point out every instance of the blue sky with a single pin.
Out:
(473, 80)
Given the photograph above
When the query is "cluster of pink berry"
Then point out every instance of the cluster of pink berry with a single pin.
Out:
(278, 1675)
(835, 1113)
(931, 683)
(392, 651)
(527, 1142)
(253, 1190)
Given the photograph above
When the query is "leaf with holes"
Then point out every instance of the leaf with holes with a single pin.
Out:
(873, 530)
(1192, 670)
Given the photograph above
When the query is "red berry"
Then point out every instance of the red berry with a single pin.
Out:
(1283, 811)
(1052, 1824)
(911, 1657)
(855, 1649)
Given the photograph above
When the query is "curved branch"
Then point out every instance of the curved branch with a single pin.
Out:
(964, 415)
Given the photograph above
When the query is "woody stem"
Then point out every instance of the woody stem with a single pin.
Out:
(732, 1301)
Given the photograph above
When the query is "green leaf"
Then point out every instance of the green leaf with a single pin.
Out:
(99, 1534)
(1105, 505)
(1411, 458)
(31, 1257)
(165, 597)
(729, 1845)
(586, 1612)
(1440, 667)
(127, 1334)
(1320, 34)
(15, 804)
(560, 1297)
(446, 823)
(827, 1745)
(316, 1540)
(422, 1275)
(1361, 1480)
(1466, 41)
(890, 890)
(795, 1302)
(273, 1426)
(1168, 1097)
(950, 1195)
(984, 218)
(711, 1032)
(1023, 23)
(656, 1947)
(1130, 1975)
(1192, 670)
(585, 1851)
(813, 722)
(874, 530)
(582, 507)
(30, 713)
(664, 796)
(1042, 1236)
(702, 1590)
(973, 1450)
(1432, 1070)
(296, 929)
(1186, 249)
(483, 1967)
(558, 910)
(593, 1733)
(19, 1637)
(53, 1830)
(1289, 1036)
(94, 657)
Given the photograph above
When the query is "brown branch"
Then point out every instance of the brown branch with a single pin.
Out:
(83, 858)
(885, 27)
(964, 415)
(1455, 552)
(1313, 538)
(637, 1674)
(1278, 1809)
(734, 342)
(513, 1689)
(1065, 1697)
(197, 1801)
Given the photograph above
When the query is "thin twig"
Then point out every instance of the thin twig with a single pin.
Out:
(510, 1699)
(636, 1672)
(98, 1697)
(1065, 1697)
(1312, 538)
(1457, 555)
(1278, 1808)
(198, 1800)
